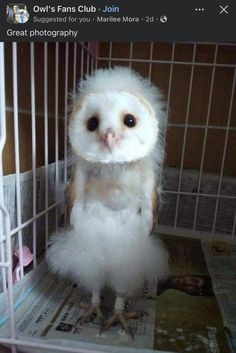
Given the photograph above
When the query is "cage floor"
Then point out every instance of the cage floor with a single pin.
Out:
(46, 308)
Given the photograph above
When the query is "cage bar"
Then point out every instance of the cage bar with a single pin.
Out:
(194, 126)
(168, 62)
(224, 152)
(74, 69)
(185, 135)
(56, 127)
(88, 63)
(205, 137)
(130, 54)
(2, 143)
(150, 63)
(234, 226)
(199, 194)
(32, 219)
(46, 137)
(4, 212)
(169, 92)
(110, 55)
(45, 346)
(167, 110)
(82, 63)
(66, 111)
(17, 153)
(33, 129)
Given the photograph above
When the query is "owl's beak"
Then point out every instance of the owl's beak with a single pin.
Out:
(109, 139)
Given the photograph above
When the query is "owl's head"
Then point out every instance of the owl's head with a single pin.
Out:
(117, 117)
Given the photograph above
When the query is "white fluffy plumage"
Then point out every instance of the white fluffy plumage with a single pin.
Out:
(116, 134)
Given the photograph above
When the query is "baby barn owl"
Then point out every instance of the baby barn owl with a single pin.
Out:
(115, 132)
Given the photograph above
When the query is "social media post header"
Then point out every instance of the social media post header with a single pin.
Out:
(118, 20)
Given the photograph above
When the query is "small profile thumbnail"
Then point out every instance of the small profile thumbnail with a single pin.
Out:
(17, 13)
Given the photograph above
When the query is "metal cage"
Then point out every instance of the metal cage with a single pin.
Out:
(36, 81)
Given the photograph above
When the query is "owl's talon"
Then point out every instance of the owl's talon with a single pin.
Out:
(122, 318)
(90, 310)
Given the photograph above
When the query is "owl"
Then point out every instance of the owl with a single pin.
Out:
(116, 136)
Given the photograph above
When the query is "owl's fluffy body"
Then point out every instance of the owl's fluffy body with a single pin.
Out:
(110, 243)
(114, 186)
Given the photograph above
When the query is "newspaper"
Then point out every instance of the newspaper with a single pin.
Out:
(47, 308)
(26, 198)
(221, 260)
(51, 311)
(9, 194)
(26, 191)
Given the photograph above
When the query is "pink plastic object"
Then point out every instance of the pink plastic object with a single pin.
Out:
(27, 258)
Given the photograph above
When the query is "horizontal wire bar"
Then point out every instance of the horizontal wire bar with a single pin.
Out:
(31, 220)
(5, 264)
(28, 111)
(190, 233)
(48, 346)
(199, 194)
(195, 126)
(155, 61)
(209, 43)
(228, 44)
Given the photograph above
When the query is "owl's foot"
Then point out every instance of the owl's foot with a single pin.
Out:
(91, 310)
(121, 318)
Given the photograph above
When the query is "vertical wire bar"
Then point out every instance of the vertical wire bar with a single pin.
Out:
(46, 137)
(2, 207)
(92, 58)
(17, 154)
(56, 125)
(87, 64)
(2, 143)
(74, 69)
(150, 62)
(130, 54)
(224, 152)
(66, 111)
(168, 104)
(33, 128)
(205, 136)
(92, 64)
(234, 225)
(88, 61)
(82, 64)
(110, 54)
(169, 89)
(185, 134)
(96, 63)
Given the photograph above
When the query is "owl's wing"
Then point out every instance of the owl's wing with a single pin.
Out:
(70, 197)
(154, 208)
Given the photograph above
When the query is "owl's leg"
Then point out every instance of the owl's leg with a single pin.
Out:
(121, 317)
(92, 309)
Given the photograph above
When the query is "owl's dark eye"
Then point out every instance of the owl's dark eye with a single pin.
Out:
(130, 120)
(92, 123)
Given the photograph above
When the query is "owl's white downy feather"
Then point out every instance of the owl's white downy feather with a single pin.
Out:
(117, 172)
